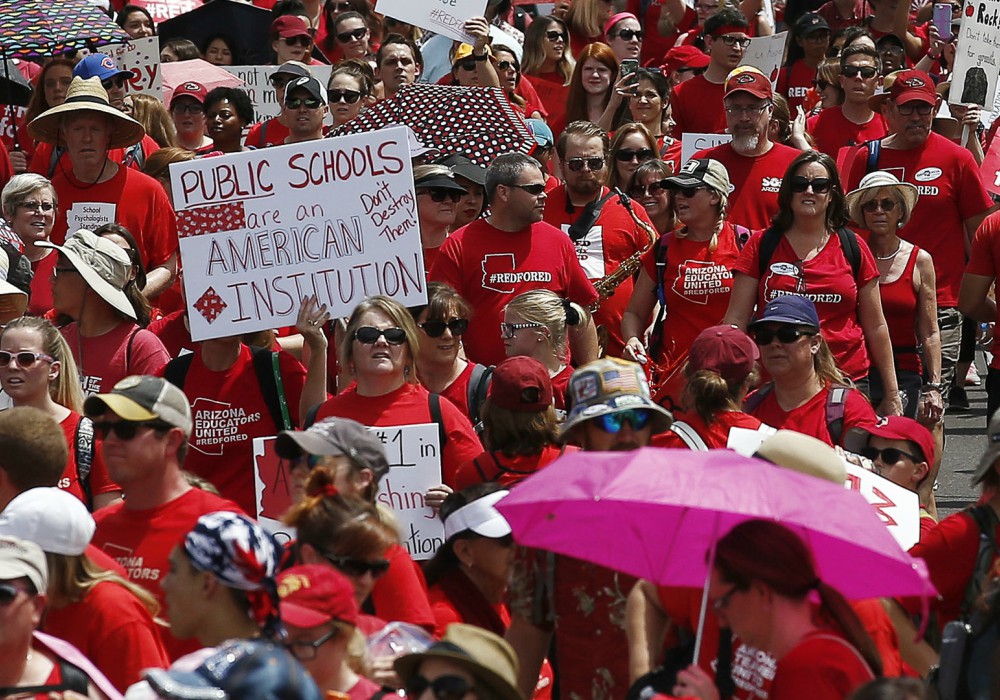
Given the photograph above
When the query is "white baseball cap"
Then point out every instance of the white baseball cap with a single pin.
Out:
(53, 519)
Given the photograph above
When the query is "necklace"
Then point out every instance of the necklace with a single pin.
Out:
(891, 255)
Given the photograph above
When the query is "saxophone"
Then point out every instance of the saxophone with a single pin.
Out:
(606, 286)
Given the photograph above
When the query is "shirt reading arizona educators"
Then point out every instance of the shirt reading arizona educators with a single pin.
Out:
(489, 267)
(755, 182)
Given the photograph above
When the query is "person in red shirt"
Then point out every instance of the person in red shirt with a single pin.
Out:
(274, 131)
(682, 63)
(756, 165)
(619, 232)
(145, 423)
(187, 109)
(512, 251)
(547, 62)
(975, 299)
(811, 39)
(853, 121)
(438, 195)
(698, 103)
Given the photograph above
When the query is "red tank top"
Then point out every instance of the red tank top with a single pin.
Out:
(899, 304)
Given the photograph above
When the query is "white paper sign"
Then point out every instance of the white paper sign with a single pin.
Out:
(272, 488)
(414, 457)
(691, 143)
(142, 58)
(445, 17)
(765, 54)
(89, 215)
(974, 79)
(258, 87)
(160, 10)
(260, 230)
(898, 508)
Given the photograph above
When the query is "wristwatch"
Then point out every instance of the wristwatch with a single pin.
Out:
(939, 387)
(479, 57)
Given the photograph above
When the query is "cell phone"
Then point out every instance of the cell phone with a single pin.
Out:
(629, 66)
(942, 20)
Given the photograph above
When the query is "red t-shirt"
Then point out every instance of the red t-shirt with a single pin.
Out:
(654, 44)
(552, 93)
(100, 482)
(810, 417)
(364, 689)
(671, 153)
(532, 102)
(821, 667)
(951, 191)
(41, 158)
(831, 130)
(560, 385)
(490, 267)
(985, 261)
(698, 108)
(458, 391)
(899, 305)
(716, 435)
(409, 405)
(794, 83)
(697, 284)
(829, 12)
(114, 630)
(753, 201)
(613, 238)
(141, 541)
(826, 279)
(104, 360)
(401, 595)
(40, 301)
(269, 132)
(139, 204)
(504, 470)
(173, 333)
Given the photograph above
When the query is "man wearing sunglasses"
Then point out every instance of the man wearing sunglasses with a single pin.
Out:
(953, 200)
(613, 236)
(274, 131)
(610, 409)
(145, 423)
(854, 121)
(304, 110)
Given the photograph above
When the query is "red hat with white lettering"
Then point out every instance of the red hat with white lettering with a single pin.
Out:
(749, 80)
(911, 85)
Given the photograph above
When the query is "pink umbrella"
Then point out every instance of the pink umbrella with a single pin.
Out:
(176, 73)
(657, 514)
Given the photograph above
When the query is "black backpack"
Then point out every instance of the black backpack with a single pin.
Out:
(476, 393)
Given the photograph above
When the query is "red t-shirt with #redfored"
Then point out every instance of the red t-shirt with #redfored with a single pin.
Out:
(951, 191)
(697, 107)
(831, 130)
(810, 417)
(828, 280)
(755, 181)
(141, 541)
(794, 84)
(985, 261)
(613, 238)
(100, 482)
(104, 360)
(490, 267)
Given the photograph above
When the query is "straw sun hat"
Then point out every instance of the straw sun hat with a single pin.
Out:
(875, 181)
(86, 96)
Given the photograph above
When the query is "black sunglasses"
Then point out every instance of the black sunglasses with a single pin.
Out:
(436, 327)
(853, 71)
(593, 164)
(439, 195)
(8, 592)
(821, 84)
(116, 82)
(346, 37)
(820, 185)
(536, 189)
(650, 190)
(556, 36)
(466, 64)
(299, 40)
(786, 335)
(507, 65)
(627, 34)
(889, 455)
(359, 567)
(873, 205)
(24, 360)
(126, 429)
(348, 96)
(308, 102)
(342, 6)
(369, 335)
(626, 155)
(442, 687)
(688, 192)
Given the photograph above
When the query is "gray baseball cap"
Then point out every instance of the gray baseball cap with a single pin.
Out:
(336, 436)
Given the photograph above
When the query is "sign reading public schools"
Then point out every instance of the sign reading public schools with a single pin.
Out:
(261, 230)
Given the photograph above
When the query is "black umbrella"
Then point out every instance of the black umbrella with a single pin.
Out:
(14, 87)
(245, 26)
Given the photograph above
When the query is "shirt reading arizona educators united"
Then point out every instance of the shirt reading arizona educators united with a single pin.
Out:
(489, 267)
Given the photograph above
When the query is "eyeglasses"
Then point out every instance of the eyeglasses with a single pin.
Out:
(821, 85)
(8, 592)
(754, 111)
(436, 327)
(534, 190)
(626, 155)
(369, 335)
(820, 185)
(348, 96)
(126, 429)
(307, 102)
(818, 37)
(613, 423)
(300, 40)
(507, 330)
(592, 164)
(44, 207)
(442, 687)
(688, 192)
(24, 360)
(922, 108)
(722, 602)
(785, 335)
(730, 40)
(466, 64)
(358, 567)
(874, 205)
(629, 34)
(306, 651)
(507, 65)
(888, 455)
(188, 108)
(347, 37)
(653, 189)
(556, 36)
(891, 50)
(116, 82)
(439, 195)
(865, 72)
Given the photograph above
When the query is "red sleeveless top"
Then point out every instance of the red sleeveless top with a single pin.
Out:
(899, 304)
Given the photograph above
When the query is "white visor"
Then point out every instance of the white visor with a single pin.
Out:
(480, 516)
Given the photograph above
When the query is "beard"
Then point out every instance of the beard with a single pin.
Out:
(585, 187)
(746, 142)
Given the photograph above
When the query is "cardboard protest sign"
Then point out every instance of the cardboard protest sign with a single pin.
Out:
(414, 455)
(691, 143)
(897, 508)
(765, 54)
(260, 230)
(974, 78)
(445, 17)
(258, 87)
(142, 58)
(161, 10)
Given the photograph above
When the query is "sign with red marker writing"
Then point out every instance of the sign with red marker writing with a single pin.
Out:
(898, 508)
(445, 17)
(142, 58)
(261, 230)
(974, 77)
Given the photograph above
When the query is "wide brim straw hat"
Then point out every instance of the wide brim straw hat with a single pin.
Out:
(877, 180)
(104, 266)
(86, 96)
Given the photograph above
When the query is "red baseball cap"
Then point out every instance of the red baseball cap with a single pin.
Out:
(197, 91)
(685, 56)
(314, 594)
(893, 428)
(912, 85)
(726, 350)
(749, 80)
(521, 384)
(288, 26)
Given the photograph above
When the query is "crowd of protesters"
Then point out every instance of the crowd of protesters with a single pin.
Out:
(820, 280)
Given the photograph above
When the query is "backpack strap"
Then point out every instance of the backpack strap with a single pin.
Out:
(581, 227)
(768, 244)
(267, 366)
(688, 435)
(986, 519)
(83, 445)
(852, 249)
(497, 469)
(660, 248)
(874, 149)
(73, 678)
(57, 154)
(176, 370)
(475, 393)
(757, 398)
(311, 416)
(836, 405)
(434, 404)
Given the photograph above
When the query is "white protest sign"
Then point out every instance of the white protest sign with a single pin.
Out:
(258, 86)
(897, 508)
(414, 455)
(262, 229)
(273, 488)
(445, 17)
(765, 54)
(142, 58)
(691, 143)
(160, 10)
(89, 215)
(974, 78)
